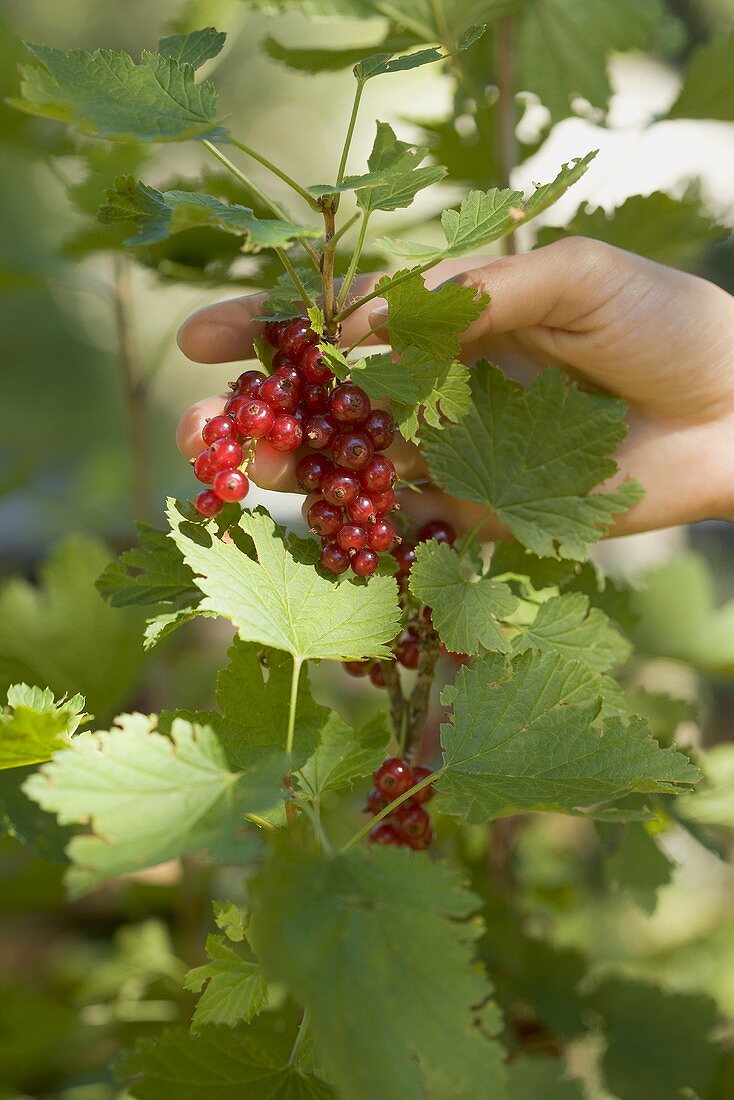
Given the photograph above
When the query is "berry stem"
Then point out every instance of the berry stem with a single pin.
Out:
(390, 808)
(353, 263)
(430, 648)
(395, 694)
(350, 131)
(312, 202)
(295, 680)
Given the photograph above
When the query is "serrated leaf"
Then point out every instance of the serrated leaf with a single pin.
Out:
(315, 60)
(708, 88)
(429, 320)
(541, 1079)
(467, 610)
(235, 988)
(284, 299)
(231, 919)
(397, 164)
(284, 602)
(443, 393)
(193, 49)
(638, 868)
(107, 94)
(524, 737)
(34, 725)
(566, 625)
(148, 798)
(380, 64)
(218, 1065)
(150, 573)
(332, 930)
(383, 378)
(534, 456)
(344, 754)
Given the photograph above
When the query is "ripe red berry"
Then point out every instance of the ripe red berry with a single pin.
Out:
(405, 557)
(231, 485)
(420, 843)
(311, 470)
(295, 336)
(248, 383)
(319, 431)
(286, 433)
(313, 366)
(380, 427)
(439, 530)
(219, 427)
(357, 668)
(384, 502)
(208, 504)
(280, 360)
(291, 372)
(380, 535)
(314, 398)
(376, 801)
(419, 773)
(384, 833)
(362, 509)
(377, 676)
(340, 487)
(324, 518)
(393, 777)
(255, 418)
(377, 475)
(351, 537)
(226, 454)
(364, 563)
(203, 468)
(411, 822)
(280, 393)
(349, 403)
(272, 332)
(334, 559)
(408, 652)
(354, 450)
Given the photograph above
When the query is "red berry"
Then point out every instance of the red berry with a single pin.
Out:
(405, 557)
(280, 393)
(384, 833)
(334, 559)
(380, 427)
(420, 843)
(225, 455)
(384, 502)
(339, 487)
(351, 537)
(248, 383)
(219, 427)
(295, 336)
(364, 563)
(313, 366)
(292, 374)
(231, 485)
(324, 518)
(311, 470)
(353, 449)
(255, 418)
(376, 801)
(272, 332)
(408, 652)
(286, 433)
(393, 777)
(349, 403)
(380, 535)
(411, 822)
(357, 668)
(377, 475)
(377, 676)
(439, 530)
(319, 431)
(361, 510)
(208, 504)
(314, 398)
(280, 360)
(203, 468)
(419, 773)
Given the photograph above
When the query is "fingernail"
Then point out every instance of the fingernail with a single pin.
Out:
(378, 316)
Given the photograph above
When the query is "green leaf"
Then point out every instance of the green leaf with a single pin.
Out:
(230, 918)
(397, 164)
(333, 930)
(219, 1065)
(382, 63)
(677, 616)
(534, 456)
(467, 610)
(34, 725)
(149, 798)
(284, 299)
(235, 988)
(670, 231)
(429, 320)
(541, 1079)
(150, 573)
(315, 60)
(708, 88)
(638, 867)
(378, 375)
(281, 600)
(524, 737)
(443, 392)
(106, 94)
(193, 49)
(566, 625)
(344, 755)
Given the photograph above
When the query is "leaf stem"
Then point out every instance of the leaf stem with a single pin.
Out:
(389, 809)
(402, 278)
(353, 263)
(295, 679)
(472, 533)
(294, 276)
(300, 1034)
(293, 184)
(350, 131)
(344, 229)
(331, 325)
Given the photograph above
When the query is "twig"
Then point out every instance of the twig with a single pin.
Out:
(395, 694)
(430, 649)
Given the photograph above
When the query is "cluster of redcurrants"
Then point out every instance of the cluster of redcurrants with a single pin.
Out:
(409, 824)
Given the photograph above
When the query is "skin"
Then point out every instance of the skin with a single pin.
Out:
(661, 339)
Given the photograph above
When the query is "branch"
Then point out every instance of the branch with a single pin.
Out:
(430, 650)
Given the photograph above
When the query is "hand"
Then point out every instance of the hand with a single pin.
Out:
(660, 339)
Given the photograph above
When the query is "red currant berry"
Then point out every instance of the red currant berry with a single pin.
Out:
(393, 777)
(377, 475)
(234, 404)
(384, 833)
(295, 336)
(292, 374)
(208, 504)
(411, 822)
(353, 450)
(334, 559)
(272, 332)
(439, 530)
(219, 427)
(203, 467)
(349, 403)
(408, 652)
(377, 676)
(376, 801)
(364, 563)
(286, 433)
(280, 393)
(405, 557)
(255, 418)
(380, 535)
(225, 455)
(384, 502)
(324, 518)
(420, 843)
(280, 360)
(311, 470)
(380, 427)
(313, 366)
(319, 431)
(357, 668)
(340, 487)
(351, 537)
(420, 773)
(314, 398)
(361, 510)
(231, 485)
(248, 383)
